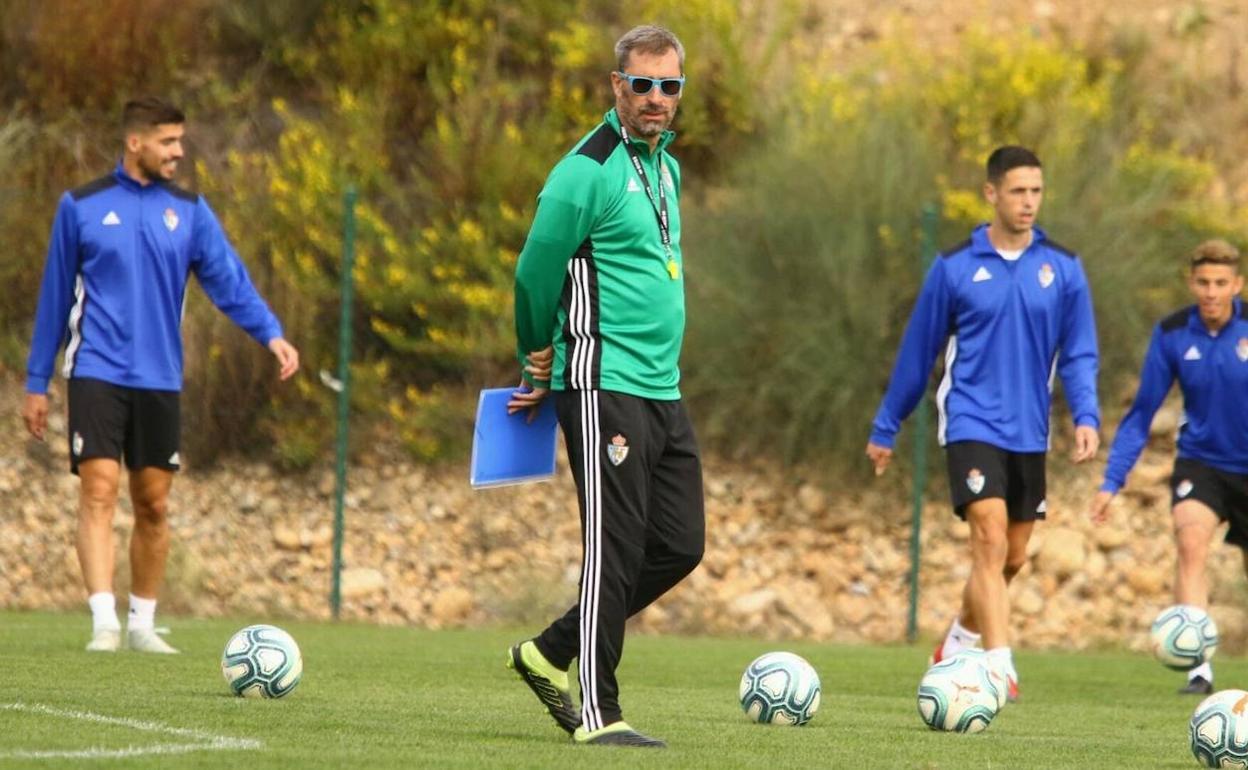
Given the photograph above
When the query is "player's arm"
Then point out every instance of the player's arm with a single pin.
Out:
(225, 280)
(56, 296)
(567, 208)
(1156, 377)
(1078, 362)
(925, 333)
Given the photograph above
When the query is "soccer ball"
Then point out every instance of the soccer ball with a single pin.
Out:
(1220, 730)
(1184, 636)
(262, 662)
(780, 688)
(961, 693)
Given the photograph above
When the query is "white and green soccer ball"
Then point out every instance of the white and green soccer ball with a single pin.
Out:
(262, 662)
(1183, 637)
(780, 688)
(1219, 730)
(962, 693)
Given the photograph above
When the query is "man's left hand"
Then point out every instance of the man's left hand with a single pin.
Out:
(287, 357)
(1087, 441)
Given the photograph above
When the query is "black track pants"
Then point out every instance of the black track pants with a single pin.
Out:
(639, 482)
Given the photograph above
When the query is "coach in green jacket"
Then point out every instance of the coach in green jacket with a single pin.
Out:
(600, 285)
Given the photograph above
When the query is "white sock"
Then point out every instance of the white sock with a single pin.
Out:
(1002, 659)
(958, 639)
(142, 613)
(103, 612)
(1204, 670)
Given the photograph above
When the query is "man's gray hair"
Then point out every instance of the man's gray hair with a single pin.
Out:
(648, 38)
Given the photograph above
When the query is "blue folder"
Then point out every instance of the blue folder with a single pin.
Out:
(508, 449)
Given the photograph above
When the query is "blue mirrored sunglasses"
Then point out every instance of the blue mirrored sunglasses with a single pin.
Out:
(643, 85)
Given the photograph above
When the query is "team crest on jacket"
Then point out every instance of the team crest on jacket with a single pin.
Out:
(171, 219)
(617, 450)
(1241, 348)
(975, 481)
(1184, 488)
(1046, 275)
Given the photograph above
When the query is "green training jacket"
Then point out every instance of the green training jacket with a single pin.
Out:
(594, 277)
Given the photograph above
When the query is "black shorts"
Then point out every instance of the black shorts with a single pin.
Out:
(107, 420)
(1225, 492)
(978, 471)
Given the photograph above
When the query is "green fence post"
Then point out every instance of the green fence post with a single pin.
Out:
(343, 387)
(927, 252)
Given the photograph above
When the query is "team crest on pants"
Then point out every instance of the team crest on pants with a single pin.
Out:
(1184, 488)
(617, 450)
(77, 444)
(975, 481)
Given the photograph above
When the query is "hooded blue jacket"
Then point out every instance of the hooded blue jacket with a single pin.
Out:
(115, 281)
(1212, 370)
(1009, 325)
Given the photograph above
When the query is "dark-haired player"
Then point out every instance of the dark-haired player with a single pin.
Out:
(1010, 308)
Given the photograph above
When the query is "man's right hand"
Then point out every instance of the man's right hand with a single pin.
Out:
(35, 414)
(524, 398)
(880, 457)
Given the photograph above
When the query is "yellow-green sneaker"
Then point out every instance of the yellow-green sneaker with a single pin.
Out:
(548, 683)
(616, 734)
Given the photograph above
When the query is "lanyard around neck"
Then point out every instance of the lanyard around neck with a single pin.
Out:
(659, 206)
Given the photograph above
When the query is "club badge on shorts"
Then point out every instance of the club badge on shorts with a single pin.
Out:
(1241, 348)
(1046, 275)
(77, 444)
(171, 219)
(617, 450)
(975, 481)
(1184, 488)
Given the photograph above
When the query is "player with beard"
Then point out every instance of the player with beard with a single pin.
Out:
(600, 314)
(121, 252)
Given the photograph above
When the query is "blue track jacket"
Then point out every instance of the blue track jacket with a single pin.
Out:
(1008, 325)
(1212, 370)
(115, 281)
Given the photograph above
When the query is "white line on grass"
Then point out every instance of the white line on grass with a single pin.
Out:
(203, 741)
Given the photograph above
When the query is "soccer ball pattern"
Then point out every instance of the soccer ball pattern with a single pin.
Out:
(262, 662)
(961, 694)
(1219, 730)
(1184, 637)
(780, 688)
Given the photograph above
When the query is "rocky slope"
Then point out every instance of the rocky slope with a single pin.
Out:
(784, 557)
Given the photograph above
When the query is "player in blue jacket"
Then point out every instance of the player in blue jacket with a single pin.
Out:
(1205, 347)
(1010, 308)
(121, 251)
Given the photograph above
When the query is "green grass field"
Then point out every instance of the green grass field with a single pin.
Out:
(395, 697)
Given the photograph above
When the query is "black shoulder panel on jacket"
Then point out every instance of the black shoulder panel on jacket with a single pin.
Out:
(601, 144)
(91, 188)
(1176, 320)
(960, 247)
(1060, 249)
(179, 192)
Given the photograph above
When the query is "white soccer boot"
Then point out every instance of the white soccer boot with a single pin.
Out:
(107, 640)
(147, 640)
